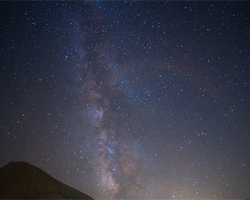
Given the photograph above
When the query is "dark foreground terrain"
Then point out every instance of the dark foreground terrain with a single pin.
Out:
(20, 180)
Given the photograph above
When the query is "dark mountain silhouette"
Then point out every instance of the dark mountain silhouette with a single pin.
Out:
(20, 180)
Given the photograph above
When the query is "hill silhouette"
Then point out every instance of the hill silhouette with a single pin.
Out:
(20, 180)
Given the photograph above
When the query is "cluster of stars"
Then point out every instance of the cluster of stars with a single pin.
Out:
(129, 100)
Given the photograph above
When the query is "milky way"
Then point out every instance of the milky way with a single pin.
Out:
(129, 100)
(118, 163)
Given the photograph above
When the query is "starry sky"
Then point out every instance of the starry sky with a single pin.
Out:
(132, 100)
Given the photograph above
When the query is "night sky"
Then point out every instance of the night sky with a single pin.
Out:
(129, 100)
